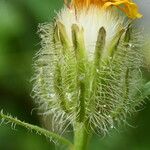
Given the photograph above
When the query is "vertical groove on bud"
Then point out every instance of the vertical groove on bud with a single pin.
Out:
(63, 37)
(127, 37)
(99, 50)
(127, 83)
(81, 57)
(60, 36)
(60, 88)
(115, 42)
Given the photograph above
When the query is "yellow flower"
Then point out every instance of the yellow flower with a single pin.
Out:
(127, 6)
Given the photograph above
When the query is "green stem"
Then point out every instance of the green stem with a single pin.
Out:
(37, 129)
(81, 137)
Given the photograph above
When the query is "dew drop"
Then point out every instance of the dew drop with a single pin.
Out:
(104, 106)
(51, 95)
(97, 70)
(111, 126)
(81, 77)
(69, 96)
(130, 45)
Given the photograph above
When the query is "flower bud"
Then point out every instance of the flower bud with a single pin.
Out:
(88, 69)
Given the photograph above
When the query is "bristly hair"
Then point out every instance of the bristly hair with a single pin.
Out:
(112, 88)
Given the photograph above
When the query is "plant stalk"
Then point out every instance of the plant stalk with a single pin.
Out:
(81, 137)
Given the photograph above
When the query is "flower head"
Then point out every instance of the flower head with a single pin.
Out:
(127, 6)
(88, 68)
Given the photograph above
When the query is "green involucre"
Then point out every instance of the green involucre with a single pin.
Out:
(99, 91)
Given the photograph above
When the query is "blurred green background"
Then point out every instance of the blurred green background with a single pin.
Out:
(19, 42)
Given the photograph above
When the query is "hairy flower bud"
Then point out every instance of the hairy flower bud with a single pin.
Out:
(88, 70)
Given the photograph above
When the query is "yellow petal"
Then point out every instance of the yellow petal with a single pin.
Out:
(127, 6)
(131, 10)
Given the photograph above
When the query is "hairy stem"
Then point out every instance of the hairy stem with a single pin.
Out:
(37, 129)
(81, 137)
